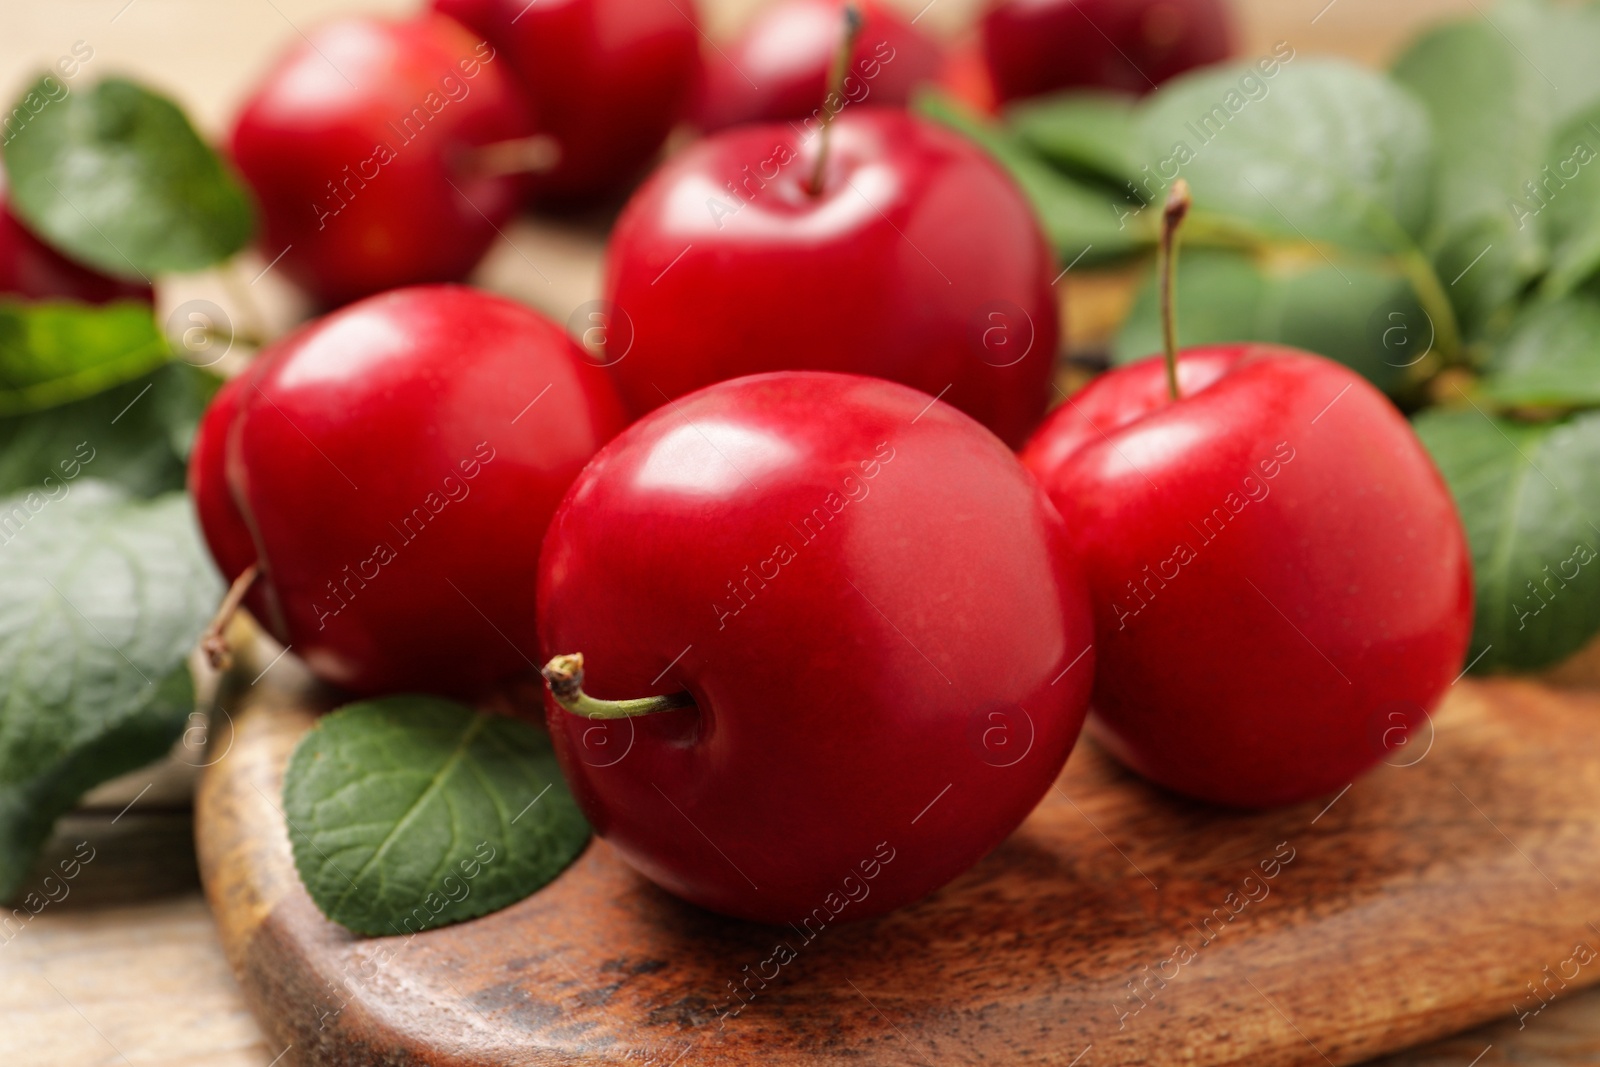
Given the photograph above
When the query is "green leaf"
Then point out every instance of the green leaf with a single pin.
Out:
(101, 599)
(1362, 314)
(1566, 201)
(1558, 41)
(1551, 357)
(1091, 133)
(1078, 219)
(1491, 117)
(411, 812)
(1529, 496)
(136, 435)
(1324, 151)
(116, 177)
(1499, 91)
(52, 352)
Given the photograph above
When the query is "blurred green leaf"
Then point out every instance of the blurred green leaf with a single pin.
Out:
(1360, 313)
(1550, 357)
(52, 352)
(1529, 496)
(116, 177)
(1078, 219)
(1324, 151)
(1092, 133)
(101, 599)
(1566, 201)
(1506, 93)
(1558, 40)
(136, 434)
(1490, 113)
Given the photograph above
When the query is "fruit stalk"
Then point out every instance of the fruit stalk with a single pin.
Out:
(538, 154)
(841, 63)
(214, 641)
(564, 677)
(1172, 217)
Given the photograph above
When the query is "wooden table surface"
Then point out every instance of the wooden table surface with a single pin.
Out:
(127, 969)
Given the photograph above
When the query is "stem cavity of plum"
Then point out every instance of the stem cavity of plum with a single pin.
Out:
(563, 675)
(836, 74)
(1172, 217)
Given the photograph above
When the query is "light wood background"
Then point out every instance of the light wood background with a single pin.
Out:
(127, 969)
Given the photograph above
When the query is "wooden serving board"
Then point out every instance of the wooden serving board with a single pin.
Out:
(1425, 899)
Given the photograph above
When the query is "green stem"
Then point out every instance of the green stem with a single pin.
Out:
(564, 677)
(214, 641)
(255, 323)
(1412, 264)
(249, 340)
(1434, 300)
(1172, 217)
(841, 62)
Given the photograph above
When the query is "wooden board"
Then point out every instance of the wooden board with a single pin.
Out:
(1425, 899)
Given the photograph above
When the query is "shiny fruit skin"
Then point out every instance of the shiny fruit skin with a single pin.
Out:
(1040, 46)
(919, 262)
(32, 270)
(777, 69)
(1324, 603)
(608, 79)
(394, 466)
(367, 184)
(227, 535)
(905, 679)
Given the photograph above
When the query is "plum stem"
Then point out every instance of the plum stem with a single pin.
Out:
(538, 154)
(254, 331)
(1172, 217)
(564, 677)
(836, 73)
(214, 641)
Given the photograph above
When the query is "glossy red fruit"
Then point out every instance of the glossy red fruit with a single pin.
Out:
(876, 612)
(777, 69)
(33, 270)
(918, 261)
(608, 79)
(360, 144)
(232, 547)
(1281, 584)
(1039, 46)
(392, 467)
